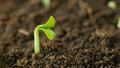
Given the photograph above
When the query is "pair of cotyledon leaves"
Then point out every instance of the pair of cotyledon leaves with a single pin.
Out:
(46, 28)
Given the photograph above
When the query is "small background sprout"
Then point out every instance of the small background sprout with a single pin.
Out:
(112, 5)
(118, 24)
(46, 3)
(46, 28)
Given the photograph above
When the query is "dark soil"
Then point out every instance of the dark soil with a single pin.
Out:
(87, 36)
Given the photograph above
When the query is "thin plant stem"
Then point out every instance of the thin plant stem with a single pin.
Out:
(36, 41)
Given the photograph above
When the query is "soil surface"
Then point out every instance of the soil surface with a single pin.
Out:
(86, 34)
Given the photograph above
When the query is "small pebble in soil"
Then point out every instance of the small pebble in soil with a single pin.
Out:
(24, 32)
(19, 63)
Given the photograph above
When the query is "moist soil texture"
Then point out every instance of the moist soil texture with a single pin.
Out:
(86, 34)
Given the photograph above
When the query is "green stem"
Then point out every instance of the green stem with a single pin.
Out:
(36, 41)
(46, 3)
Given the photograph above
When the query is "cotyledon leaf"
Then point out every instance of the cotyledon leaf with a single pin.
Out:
(49, 33)
(50, 23)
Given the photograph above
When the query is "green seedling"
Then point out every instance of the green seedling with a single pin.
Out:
(112, 5)
(46, 3)
(46, 28)
(118, 24)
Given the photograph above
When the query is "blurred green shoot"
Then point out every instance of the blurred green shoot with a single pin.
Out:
(46, 3)
(112, 5)
(118, 24)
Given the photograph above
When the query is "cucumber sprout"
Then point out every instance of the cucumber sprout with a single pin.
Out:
(46, 28)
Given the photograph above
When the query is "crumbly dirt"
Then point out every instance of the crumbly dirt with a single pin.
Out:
(86, 34)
